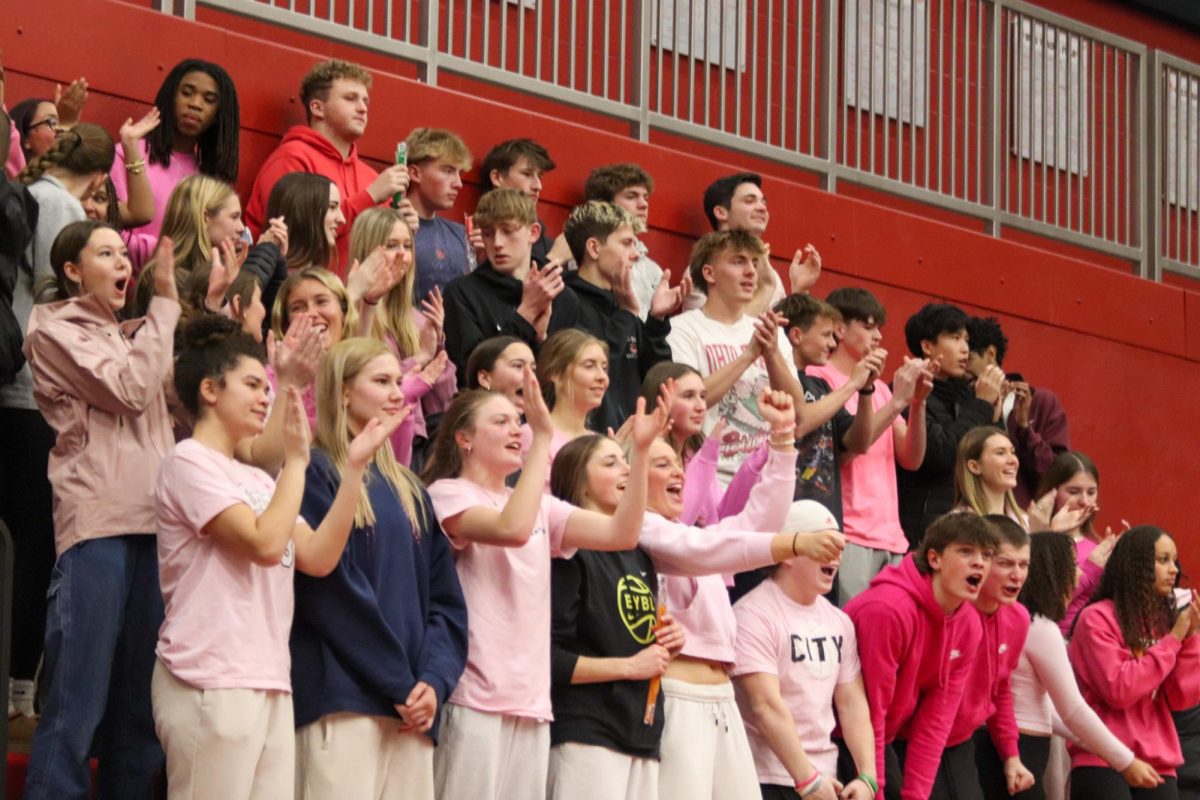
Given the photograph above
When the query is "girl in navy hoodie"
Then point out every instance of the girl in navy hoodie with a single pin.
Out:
(379, 644)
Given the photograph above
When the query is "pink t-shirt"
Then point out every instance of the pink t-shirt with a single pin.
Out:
(163, 181)
(508, 601)
(811, 649)
(227, 618)
(870, 503)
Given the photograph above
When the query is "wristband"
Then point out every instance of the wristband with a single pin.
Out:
(788, 431)
(865, 391)
(870, 782)
(794, 553)
(136, 167)
(369, 303)
(812, 785)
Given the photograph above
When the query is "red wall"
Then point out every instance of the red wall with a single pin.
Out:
(1124, 354)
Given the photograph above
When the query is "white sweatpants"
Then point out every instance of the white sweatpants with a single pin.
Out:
(362, 757)
(490, 756)
(705, 753)
(224, 744)
(599, 773)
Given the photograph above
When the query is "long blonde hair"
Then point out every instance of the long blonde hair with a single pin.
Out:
(341, 365)
(969, 486)
(395, 316)
(556, 362)
(185, 221)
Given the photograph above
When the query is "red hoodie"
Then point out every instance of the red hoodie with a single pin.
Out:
(305, 150)
(911, 651)
(1134, 696)
(988, 695)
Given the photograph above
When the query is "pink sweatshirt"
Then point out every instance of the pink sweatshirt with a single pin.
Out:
(1088, 582)
(704, 500)
(1134, 696)
(1046, 698)
(988, 696)
(163, 181)
(915, 663)
(691, 560)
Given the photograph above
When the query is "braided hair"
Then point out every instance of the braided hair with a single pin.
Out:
(1145, 616)
(83, 150)
(217, 147)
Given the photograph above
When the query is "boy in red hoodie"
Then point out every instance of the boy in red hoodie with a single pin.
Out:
(917, 640)
(335, 95)
(983, 761)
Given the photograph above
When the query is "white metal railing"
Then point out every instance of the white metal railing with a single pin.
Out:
(996, 109)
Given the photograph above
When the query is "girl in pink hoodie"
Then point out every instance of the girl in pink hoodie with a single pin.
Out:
(1137, 659)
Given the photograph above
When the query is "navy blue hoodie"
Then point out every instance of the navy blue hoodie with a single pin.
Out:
(390, 614)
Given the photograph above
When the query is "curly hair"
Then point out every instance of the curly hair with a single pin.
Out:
(1051, 575)
(1145, 616)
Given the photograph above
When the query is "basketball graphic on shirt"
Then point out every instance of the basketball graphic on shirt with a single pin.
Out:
(635, 603)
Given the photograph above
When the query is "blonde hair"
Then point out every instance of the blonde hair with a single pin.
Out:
(557, 357)
(595, 219)
(341, 365)
(185, 221)
(281, 318)
(395, 315)
(969, 486)
(428, 144)
(505, 205)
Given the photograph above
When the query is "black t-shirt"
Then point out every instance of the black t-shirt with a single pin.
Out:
(603, 605)
(818, 476)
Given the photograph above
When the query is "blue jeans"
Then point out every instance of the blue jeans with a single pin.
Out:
(105, 609)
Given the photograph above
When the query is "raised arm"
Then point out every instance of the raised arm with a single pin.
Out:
(591, 530)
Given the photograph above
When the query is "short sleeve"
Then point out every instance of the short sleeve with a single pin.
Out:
(757, 643)
(451, 497)
(850, 668)
(197, 490)
(556, 513)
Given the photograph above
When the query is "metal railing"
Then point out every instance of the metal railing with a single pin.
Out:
(996, 109)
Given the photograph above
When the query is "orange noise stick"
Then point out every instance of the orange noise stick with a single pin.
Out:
(652, 696)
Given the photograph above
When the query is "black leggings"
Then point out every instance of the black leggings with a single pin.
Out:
(1105, 783)
(1035, 755)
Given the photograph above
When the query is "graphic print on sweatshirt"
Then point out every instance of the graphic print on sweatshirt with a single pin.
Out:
(638, 608)
(817, 652)
(745, 429)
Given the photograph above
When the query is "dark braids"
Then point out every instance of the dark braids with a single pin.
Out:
(217, 147)
(82, 150)
(1145, 616)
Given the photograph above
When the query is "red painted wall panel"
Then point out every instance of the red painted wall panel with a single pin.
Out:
(1124, 354)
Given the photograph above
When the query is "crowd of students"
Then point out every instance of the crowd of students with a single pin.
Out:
(342, 498)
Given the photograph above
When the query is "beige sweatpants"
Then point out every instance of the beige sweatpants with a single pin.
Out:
(490, 756)
(343, 756)
(705, 753)
(224, 744)
(599, 773)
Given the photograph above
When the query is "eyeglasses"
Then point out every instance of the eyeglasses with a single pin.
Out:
(52, 122)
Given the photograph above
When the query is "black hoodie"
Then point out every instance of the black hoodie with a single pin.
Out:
(633, 348)
(483, 304)
(951, 410)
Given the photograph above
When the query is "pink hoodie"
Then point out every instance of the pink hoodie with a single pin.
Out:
(704, 500)
(1134, 696)
(305, 150)
(911, 651)
(1088, 582)
(734, 544)
(988, 695)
